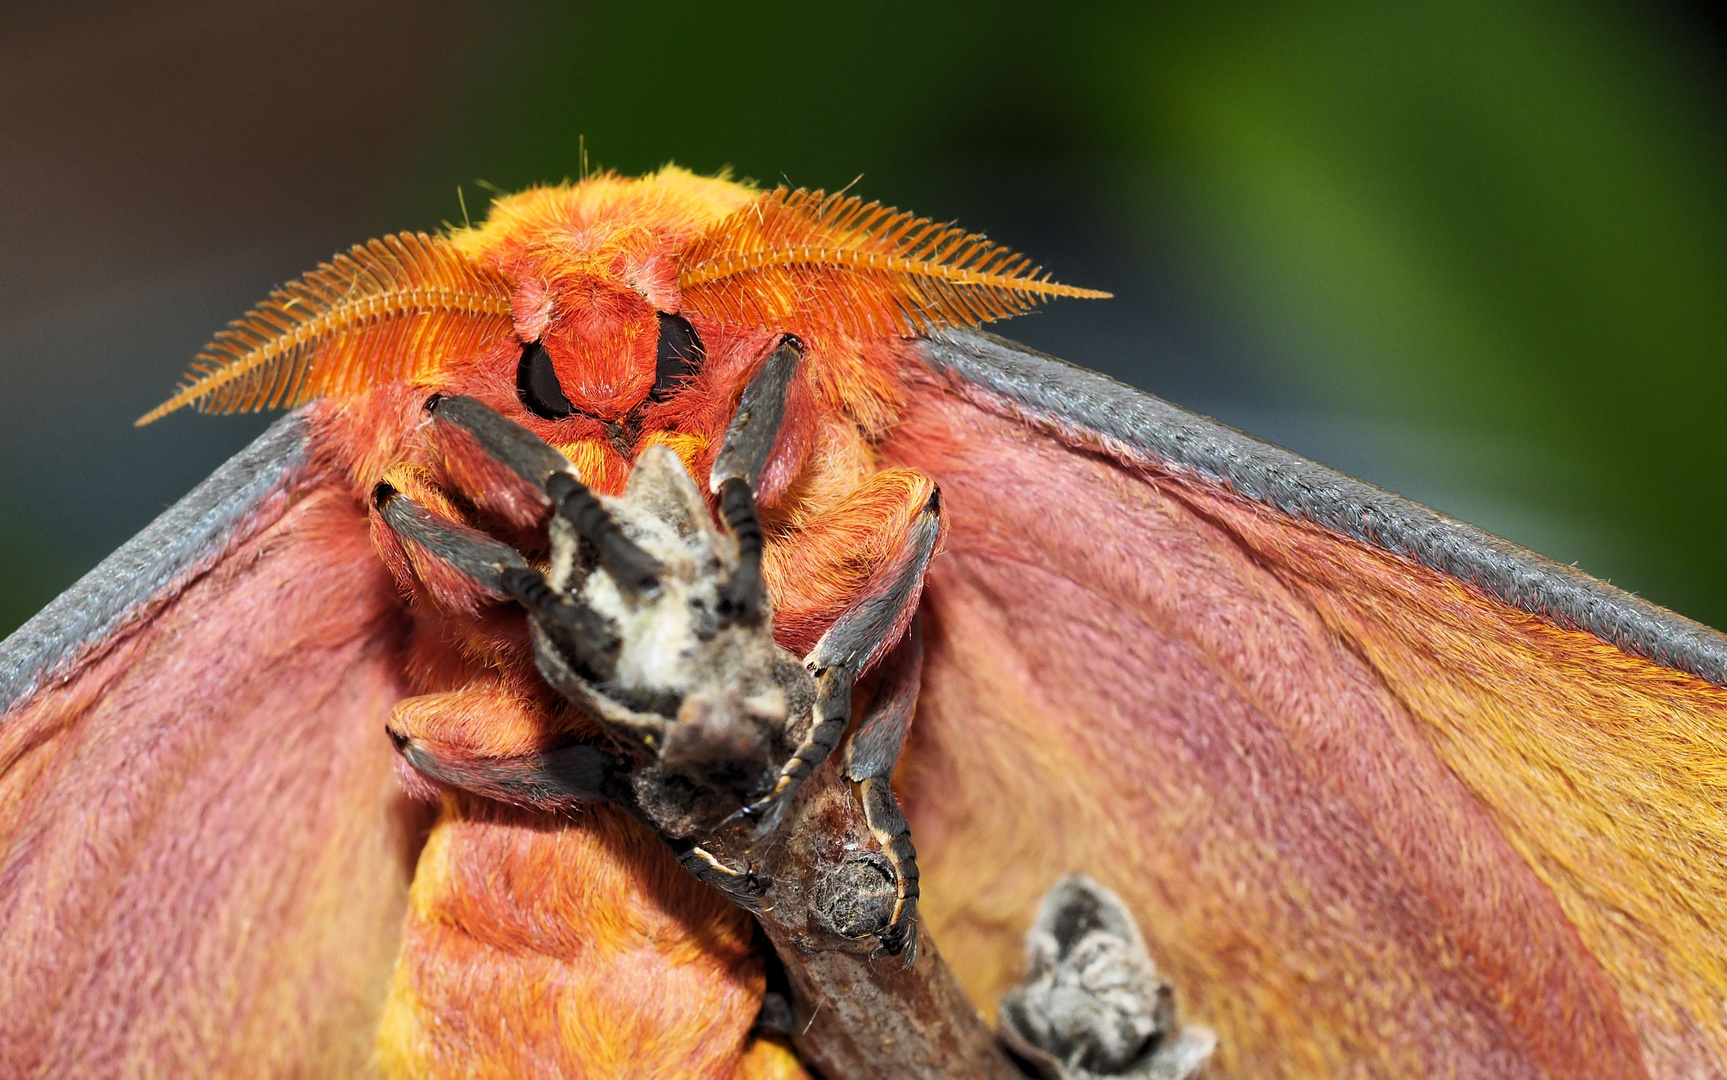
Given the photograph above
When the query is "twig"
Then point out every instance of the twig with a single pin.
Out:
(858, 1012)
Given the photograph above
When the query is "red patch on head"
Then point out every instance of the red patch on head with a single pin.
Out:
(602, 341)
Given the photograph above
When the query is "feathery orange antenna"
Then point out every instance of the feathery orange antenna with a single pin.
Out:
(391, 308)
(863, 268)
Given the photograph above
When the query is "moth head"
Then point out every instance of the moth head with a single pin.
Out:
(595, 302)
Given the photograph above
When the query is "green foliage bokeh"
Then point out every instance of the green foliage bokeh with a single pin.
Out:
(1503, 223)
(1490, 237)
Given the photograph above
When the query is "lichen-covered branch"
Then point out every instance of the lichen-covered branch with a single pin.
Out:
(856, 1011)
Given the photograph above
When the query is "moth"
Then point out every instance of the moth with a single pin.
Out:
(1384, 794)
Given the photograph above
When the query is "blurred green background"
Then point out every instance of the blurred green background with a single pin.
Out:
(1473, 252)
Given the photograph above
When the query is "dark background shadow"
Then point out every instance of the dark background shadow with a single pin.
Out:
(1476, 254)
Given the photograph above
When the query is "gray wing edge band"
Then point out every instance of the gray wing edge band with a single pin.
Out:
(186, 537)
(1063, 397)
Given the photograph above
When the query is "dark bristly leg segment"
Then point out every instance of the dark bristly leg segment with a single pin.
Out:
(532, 459)
(741, 597)
(500, 569)
(469, 552)
(833, 710)
(888, 825)
(750, 437)
(870, 760)
(875, 746)
(629, 565)
(518, 449)
(588, 638)
(748, 442)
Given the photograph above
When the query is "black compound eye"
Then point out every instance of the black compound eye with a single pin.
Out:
(537, 384)
(679, 356)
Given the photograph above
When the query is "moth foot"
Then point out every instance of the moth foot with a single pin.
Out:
(744, 886)
(888, 825)
(900, 938)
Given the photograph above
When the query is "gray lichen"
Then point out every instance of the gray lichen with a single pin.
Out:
(1092, 1004)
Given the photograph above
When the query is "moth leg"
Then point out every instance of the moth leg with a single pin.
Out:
(743, 887)
(870, 759)
(868, 626)
(434, 543)
(474, 435)
(430, 731)
(471, 739)
(748, 441)
(866, 629)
